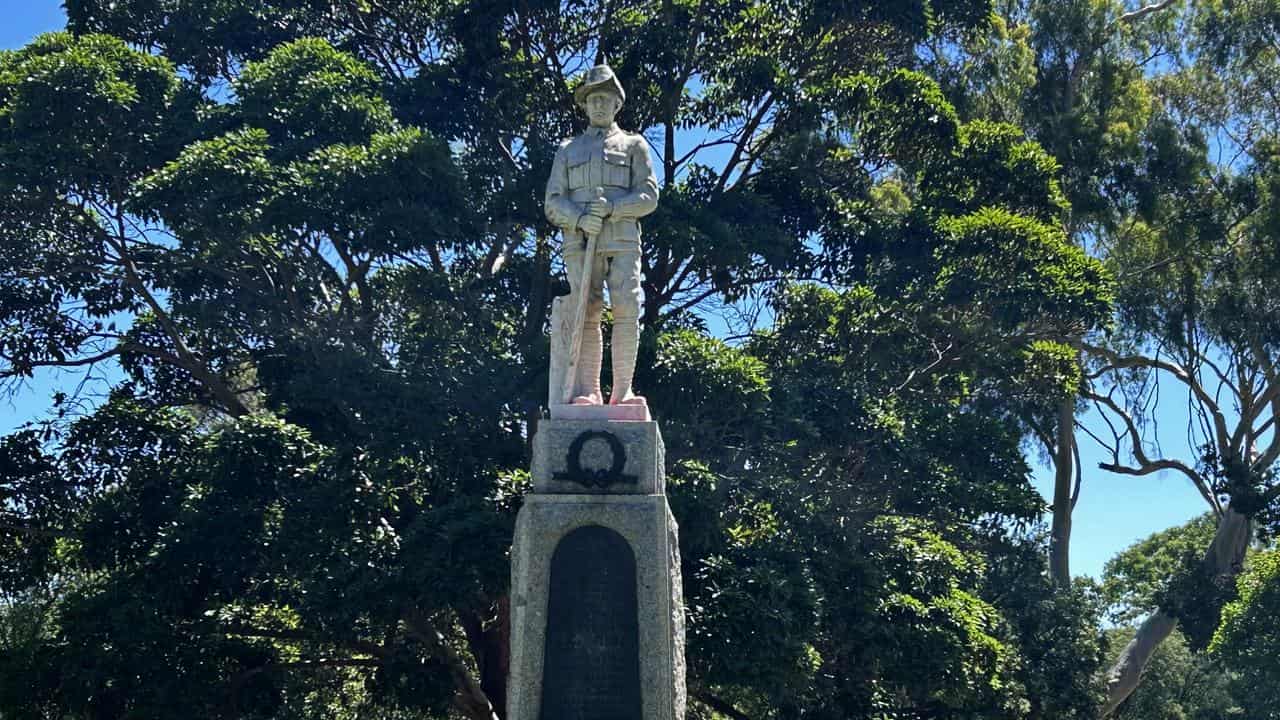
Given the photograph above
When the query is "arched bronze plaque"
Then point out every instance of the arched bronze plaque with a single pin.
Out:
(591, 666)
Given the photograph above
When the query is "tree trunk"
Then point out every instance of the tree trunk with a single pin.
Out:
(1222, 561)
(1064, 465)
(491, 648)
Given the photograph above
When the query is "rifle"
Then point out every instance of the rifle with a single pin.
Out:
(580, 313)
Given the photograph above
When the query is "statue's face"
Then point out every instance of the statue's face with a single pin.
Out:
(602, 107)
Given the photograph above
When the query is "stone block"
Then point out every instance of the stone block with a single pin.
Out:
(595, 457)
(629, 413)
(578, 652)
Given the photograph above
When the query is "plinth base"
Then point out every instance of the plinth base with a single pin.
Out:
(615, 413)
(597, 613)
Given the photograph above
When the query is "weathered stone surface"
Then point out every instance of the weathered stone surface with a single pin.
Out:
(646, 524)
(630, 413)
(594, 457)
(601, 184)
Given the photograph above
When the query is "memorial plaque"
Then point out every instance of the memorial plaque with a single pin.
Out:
(591, 666)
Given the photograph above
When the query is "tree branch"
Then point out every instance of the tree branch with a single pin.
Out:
(470, 698)
(721, 706)
(748, 132)
(1145, 10)
(38, 532)
(248, 631)
(1271, 495)
(1118, 361)
(188, 360)
(16, 370)
(1075, 491)
(1146, 465)
(1270, 398)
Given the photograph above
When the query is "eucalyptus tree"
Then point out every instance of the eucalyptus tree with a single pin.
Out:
(311, 236)
(1163, 117)
(1076, 76)
(1194, 314)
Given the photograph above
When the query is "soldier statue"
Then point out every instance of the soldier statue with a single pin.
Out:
(602, 182)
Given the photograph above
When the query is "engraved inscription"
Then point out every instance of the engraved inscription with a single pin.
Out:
(591, 666)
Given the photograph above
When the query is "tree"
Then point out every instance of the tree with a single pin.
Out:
(328, 290)
(1137, 580)
(1131, 99)
(1180, 680)
(1179, 683)
(1193, 316)
(1073, 74)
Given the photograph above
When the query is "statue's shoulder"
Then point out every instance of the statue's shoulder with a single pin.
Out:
(565, 146)
(572, 142)
(633, 142)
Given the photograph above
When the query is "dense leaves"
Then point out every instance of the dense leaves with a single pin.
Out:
(311, 238)
(1247, 636)
(1180, 683)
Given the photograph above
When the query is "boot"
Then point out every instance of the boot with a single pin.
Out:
(587, 385)
(626, 340)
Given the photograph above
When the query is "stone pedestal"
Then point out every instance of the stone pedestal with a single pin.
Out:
(597, 615)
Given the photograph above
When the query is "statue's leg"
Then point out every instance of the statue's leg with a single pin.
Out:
(626, 296)
(587, 384)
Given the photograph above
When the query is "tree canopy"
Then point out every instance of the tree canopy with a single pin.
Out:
(311, 238)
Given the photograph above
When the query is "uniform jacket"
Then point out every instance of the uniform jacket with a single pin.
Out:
(611, 159)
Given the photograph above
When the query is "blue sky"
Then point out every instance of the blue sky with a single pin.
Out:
(1113, 511)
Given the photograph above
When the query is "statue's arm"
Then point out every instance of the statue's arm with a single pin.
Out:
(643, 198)
(561, 210)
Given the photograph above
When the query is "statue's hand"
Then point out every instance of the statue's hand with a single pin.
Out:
(601, 208)
(590, 224)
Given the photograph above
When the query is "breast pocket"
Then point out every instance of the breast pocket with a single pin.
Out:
(617, 169)
(578, 167)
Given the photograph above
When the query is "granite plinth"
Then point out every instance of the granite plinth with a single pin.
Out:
(617, 413)
(645, 524)
(594, 457)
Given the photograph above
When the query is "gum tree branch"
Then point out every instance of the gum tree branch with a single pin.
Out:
(1146, 10)
(1146, 465)
(1119, 362)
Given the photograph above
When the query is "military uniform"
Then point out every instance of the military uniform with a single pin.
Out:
(619, 164)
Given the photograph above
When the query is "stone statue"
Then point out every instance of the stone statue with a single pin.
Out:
(597, 605)
(602, 182)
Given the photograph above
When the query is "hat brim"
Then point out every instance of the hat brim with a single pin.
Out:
(611, 84)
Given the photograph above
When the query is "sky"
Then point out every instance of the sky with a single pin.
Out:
(1112, 513)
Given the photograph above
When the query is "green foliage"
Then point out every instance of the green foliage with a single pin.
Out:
(724, 391)
(307, 94)
(1136, 580)
(1180, 683)
(1247, 638)
(87, 113)
(34, 496)
(1004, 260)
(26, 632)
(1168, 571)
(998, 166)
(1162, 117)
(935, 625)
(1055, 631)
(328, 290)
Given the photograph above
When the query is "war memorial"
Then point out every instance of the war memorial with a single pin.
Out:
(597, 613)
